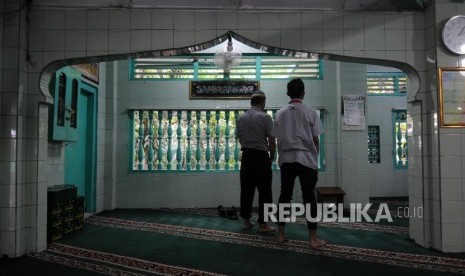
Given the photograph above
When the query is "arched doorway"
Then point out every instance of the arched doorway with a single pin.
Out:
(413, 83)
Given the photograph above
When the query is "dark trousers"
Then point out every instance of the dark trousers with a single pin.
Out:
(255, 174)
(308, 178)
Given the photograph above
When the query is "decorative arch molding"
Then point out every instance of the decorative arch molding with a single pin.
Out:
(51, 68)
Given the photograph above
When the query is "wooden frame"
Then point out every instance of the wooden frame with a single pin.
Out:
(451, 96)
(227, 89)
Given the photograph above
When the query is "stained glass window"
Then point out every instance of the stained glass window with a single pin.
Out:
(400, 138)
(386, 84)
(188, 140)
(203, 68)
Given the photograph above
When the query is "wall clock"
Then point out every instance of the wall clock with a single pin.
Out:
(453, 34)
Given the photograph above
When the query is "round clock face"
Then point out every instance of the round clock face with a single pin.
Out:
(453, 34)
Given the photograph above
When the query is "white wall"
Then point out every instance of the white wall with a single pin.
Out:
(353, 163)
(101, 134)
(153, 190)
(384, 180)
(345, 151)
(22, 211)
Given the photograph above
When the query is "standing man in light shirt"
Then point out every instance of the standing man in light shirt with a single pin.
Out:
(297, 128)
(258, 148)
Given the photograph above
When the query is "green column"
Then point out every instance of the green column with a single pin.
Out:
(160, 137)
(151, 152)
(217, 142)
(198, 132)
(179, 136)
(169, 155)
(226, 147)
(141, 140)
(196, 70)
(188, 134)
(208, 132)
(236, 146)
(258, 66)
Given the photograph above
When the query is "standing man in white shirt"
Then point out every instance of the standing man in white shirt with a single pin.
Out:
(258, 148)
(297, 128)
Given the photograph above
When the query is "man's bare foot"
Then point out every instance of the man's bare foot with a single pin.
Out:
(317, 243)
(282, 239)
(265, 228)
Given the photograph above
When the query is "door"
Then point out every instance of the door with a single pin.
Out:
(80, 155)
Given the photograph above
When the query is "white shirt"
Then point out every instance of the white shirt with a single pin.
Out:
(253, 129)
(295, 126)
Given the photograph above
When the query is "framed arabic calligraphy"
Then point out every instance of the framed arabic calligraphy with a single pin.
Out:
(222, 89)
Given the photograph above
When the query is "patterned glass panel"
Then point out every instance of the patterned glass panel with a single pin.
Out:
(187, 140)
(400, 138)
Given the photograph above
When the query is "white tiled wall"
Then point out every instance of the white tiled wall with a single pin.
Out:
(444, 185)
(56, 163)
(353, 143)
(8, 156)
(6, 189)
(19, 148)
(404, 37)
(436, 162)
(196, 189)
(109, 164)
(101, 133)
(349, 172)
(384, 180)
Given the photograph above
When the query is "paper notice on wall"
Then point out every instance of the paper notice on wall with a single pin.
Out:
(354, 121)
(354, 110)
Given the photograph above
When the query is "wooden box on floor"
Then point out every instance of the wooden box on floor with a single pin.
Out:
(330, 195)
(79, 213)
(65, 211)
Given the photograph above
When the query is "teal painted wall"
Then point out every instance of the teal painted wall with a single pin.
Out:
(68, 160)
(80, 156)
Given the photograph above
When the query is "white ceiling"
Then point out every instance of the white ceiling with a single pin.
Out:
(243, 5)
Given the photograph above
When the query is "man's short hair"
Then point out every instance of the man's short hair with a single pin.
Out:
(295, 88)
(258, 97)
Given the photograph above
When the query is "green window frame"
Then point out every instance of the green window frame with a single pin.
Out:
(400, 146)
(386, 84)
(201, 67)
(177, 133)
(374, 153)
